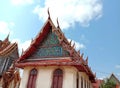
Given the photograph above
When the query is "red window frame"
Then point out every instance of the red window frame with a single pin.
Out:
(57, 78)
(32, 78)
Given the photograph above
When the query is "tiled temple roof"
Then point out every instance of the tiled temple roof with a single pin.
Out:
(6, 47)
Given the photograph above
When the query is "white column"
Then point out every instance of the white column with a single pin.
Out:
(87, 84)
(24, 80)
(83, 82)
(79, 80)
(91, 85)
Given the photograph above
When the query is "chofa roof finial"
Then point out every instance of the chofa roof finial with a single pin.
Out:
(48, 14)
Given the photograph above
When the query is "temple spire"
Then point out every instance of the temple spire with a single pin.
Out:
(8, 36)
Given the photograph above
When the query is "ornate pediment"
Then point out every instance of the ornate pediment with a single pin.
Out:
(50, 47)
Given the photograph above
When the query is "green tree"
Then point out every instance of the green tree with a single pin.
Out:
(108, 84)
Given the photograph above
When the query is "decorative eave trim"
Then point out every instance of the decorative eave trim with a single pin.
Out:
(62, 62)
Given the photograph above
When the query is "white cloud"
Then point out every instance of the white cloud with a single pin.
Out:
(21, 2)
(5, 27)
(70, 11)
(78, 45)
(25, 44)
(12, 24)
(102, 77)
(22, 45)
(117, 66)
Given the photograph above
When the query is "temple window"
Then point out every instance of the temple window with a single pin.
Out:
(57, 78)
(32, 78)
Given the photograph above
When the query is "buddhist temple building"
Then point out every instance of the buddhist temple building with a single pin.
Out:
(51, 61)
(9, 75)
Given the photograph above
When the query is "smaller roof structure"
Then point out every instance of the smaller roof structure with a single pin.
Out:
(114, 79)
(8, 54)
(6, 47)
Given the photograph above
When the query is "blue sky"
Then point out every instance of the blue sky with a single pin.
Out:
(93, 25)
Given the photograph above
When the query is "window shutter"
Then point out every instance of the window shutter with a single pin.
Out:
(57, 78)
(32, 78)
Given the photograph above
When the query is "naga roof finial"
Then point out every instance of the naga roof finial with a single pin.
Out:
(86, 60)
(31, 40)
(58, 23)
(78, 51)
(70, 42)
(82, 55)
(73, 45)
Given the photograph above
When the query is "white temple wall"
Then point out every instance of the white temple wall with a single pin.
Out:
(25, 76)
(69, 77)
(45, 76)
(86, 80)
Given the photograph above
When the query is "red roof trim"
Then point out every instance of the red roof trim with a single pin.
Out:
(39, 38)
